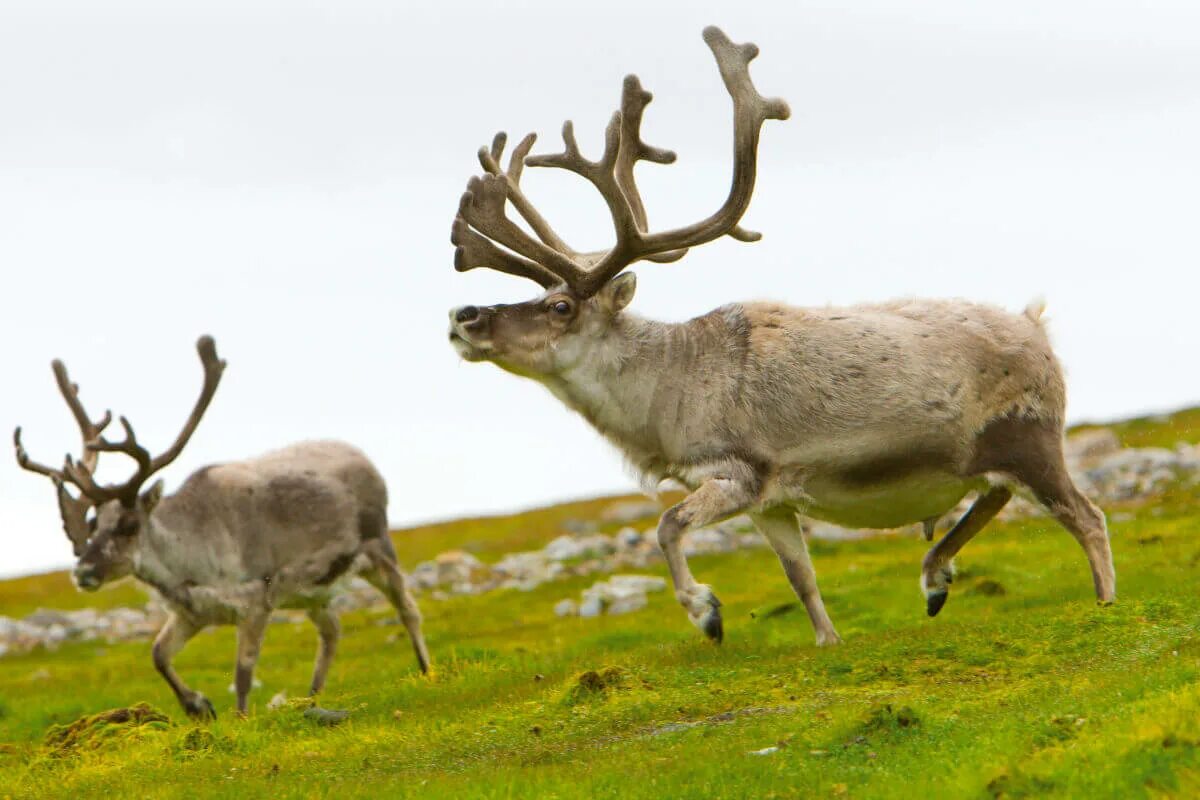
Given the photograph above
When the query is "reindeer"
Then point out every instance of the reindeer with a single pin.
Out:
(870, 416)
(237, 540)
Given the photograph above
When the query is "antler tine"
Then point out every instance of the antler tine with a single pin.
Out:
(490, 161)
(750, 111)
(634, 100)
(88, 430)
(472, 250)
(213, 368)
(25, 462)
(77, 474)
(601, 174)
(482, 207)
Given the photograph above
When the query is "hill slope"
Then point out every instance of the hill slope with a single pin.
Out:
(1022, 687)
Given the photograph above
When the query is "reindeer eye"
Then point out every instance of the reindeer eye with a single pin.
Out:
(562, 308)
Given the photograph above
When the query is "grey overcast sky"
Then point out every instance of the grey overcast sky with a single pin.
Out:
(283, 176)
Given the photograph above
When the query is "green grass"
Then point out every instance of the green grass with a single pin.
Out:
(1021, 688)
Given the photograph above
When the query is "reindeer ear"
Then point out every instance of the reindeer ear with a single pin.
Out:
(149, 498)
(618, 292)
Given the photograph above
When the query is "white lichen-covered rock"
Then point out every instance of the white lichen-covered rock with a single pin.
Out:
(628, 539)
(641, 583)
(591, 606)
(628, 511)
(1091, 444)
(707, 540)
(566, 608)
(620, 594)
(627, 604)
(569, 548)
(454, 568)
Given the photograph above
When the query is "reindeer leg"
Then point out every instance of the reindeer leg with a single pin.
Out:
(170, 640)
(1030, 450)
(782, 530)
(250, 634)
(937, 570)
(328, 630)
(388, 579)
(716, 499)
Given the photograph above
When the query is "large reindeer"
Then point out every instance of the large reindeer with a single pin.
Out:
(235, 542)
(870, 416)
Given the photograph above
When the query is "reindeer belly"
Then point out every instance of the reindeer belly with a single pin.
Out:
(889, 504)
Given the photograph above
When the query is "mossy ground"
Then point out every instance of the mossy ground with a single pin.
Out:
(1021, 688)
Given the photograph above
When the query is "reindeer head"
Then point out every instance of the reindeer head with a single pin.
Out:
(103, 522)
(586, 291)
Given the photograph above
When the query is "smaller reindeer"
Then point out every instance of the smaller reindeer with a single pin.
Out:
(237, 540)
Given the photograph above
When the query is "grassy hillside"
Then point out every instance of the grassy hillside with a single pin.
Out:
(1021, 688)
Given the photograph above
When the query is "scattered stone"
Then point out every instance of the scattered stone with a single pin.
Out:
(591, 607)
(708, 540)
(628, 511)
(1090, 444)
(278, 701)
(628, 538)
(325, 716)
(620, 594)
(568, 548)
(766, 751)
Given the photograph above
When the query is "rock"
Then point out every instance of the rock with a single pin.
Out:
(566, 608)
(707, 540)
(628, 538)
(325, 716)
(45, 617)
(643, 583)
(278, 701)
(627, 604)
(628, 511)
(766, 751)
(591, 606)
(568, 548)
(579, 526)
(1090, 444)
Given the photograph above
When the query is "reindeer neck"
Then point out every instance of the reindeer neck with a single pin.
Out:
(634, 387)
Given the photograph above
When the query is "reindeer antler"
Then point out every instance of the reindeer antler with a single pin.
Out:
(74, 509)
(485, 237)
(147, 465)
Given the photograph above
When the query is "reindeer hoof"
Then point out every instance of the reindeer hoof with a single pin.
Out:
(713, 627)
(200, 708)
(935, 600)
(828, 639)
(708, 617)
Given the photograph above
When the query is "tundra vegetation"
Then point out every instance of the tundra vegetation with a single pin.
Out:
(1022, 687)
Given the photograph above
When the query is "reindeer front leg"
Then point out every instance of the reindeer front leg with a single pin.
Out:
(716, 499)
(250, 634)
(328, 631)
(170, 640)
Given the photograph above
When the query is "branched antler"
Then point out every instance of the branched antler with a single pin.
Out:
(74, 509)
(81, 472)
(484, 237)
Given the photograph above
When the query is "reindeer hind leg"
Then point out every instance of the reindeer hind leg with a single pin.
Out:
(387, 578)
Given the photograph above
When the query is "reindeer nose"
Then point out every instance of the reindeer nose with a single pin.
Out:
(85, 577)
(466, 314)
